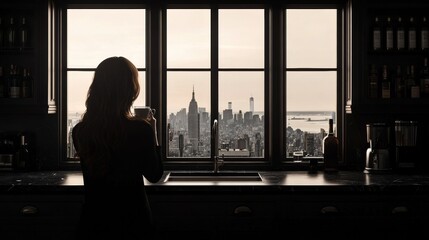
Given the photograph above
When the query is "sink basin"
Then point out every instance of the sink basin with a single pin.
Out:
(213, 177)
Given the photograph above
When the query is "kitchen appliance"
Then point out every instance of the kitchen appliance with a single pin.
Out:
(406, 144)
(378, 154)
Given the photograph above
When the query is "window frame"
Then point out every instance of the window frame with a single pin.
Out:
(274, 68)
(65, 161)
(231, 162)
(340, 7)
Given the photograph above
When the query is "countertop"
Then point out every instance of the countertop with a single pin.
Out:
(276, 181)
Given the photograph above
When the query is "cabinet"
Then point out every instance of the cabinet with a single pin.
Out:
(27, 58)
(39, 216)
(214, 216)
(394, 37)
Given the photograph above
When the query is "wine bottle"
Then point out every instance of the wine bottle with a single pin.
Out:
(27, 83)
(23, 34)
(14, 85)
(424, 37)
(400, 36)
(1, 33)
(10, 34)
(376, 35)
(389, 35)
(385, 83)
(413, 88)
(399, 83)
(373, 82)
(330, 149)
(424, 79)
(2, 85)
(22, 156)
(412, 35)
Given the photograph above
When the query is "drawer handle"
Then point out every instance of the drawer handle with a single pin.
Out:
(400, 210)
(29, 210)
(242, 211)
(329, 210)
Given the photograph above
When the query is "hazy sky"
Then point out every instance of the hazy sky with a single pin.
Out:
(94, 35)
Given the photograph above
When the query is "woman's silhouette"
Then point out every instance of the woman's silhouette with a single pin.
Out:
(116, 150)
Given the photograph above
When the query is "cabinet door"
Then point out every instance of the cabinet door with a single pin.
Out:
(39, 216)
(26, 63)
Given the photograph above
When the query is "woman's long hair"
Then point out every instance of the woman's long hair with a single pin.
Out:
(113, 90)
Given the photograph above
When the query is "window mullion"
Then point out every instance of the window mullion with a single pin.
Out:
(214, 73)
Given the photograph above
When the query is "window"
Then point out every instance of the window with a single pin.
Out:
(231, 80)
(311, 75)
(271, 77)
(92, 36)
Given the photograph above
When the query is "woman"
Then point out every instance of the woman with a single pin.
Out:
(116, 150)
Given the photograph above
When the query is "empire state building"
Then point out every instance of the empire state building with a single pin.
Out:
(193, 122)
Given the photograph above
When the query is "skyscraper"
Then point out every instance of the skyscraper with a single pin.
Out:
(252, 105)
(193, 123)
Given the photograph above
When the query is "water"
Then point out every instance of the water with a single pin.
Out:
(310, 122)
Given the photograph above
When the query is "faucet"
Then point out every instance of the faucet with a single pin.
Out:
(217, 163)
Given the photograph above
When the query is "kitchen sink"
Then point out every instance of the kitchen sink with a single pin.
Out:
(212, 176)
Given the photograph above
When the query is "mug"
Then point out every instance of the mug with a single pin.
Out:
(143, 112)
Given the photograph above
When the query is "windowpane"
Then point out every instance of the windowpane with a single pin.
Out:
(96, 34)
(188, 38)
(311, 101)
(241, 38)
(188, 108)
(311, 38)
(241, 106)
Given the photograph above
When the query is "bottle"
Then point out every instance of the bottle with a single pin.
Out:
(412, 35)
(14, 86)
(400, 36)
(424, 79)
(373, 82)
(27, 84)
(376, 35)
(330, 149)
(424, 35)
(2, 87)
(385, 83)
(10, 34)
(23, 34)
(413, 88)
(1, 33)
(389, 35)
(22, 156)
(399, 83)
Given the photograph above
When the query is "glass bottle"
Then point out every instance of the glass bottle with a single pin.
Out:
(1, 33)
(330, 149)
(14, 90)
(400, 36)
(413, 88)
(373, 82)
(23, 34)
(412, 35)
(389, 35)
(424, 37)
(2, 87)
(385, 83)
(10, 34)
(376, 35)
(27, 83)
(22, 156)
(424, 79)
(399, 83)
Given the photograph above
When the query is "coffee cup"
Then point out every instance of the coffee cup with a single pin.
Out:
(143, 112)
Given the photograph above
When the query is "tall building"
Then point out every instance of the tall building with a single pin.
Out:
(252, 105)
(193, 123)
